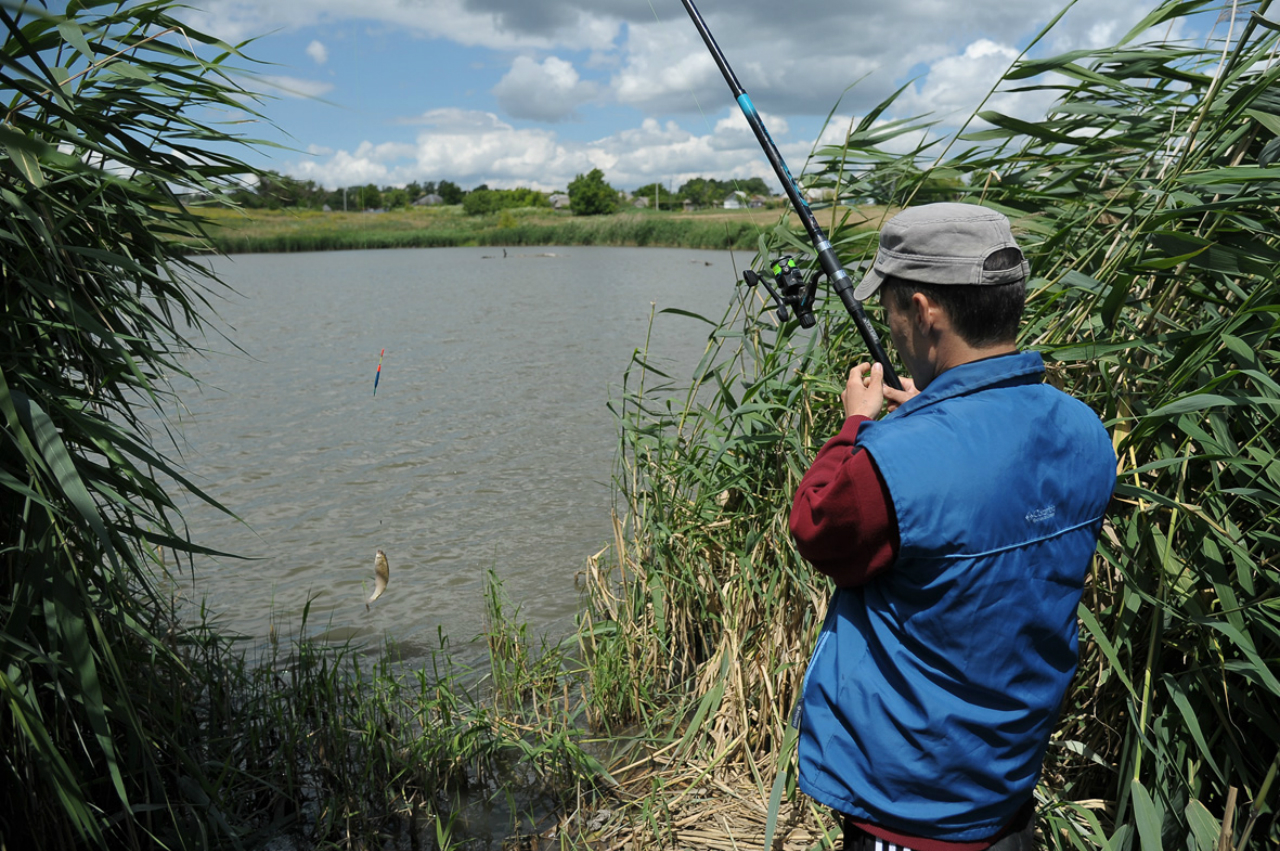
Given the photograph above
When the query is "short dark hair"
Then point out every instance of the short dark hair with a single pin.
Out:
(982, 314)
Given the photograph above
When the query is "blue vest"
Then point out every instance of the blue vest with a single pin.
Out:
(933, 689)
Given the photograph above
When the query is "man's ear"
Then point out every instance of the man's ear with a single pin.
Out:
(924, 312)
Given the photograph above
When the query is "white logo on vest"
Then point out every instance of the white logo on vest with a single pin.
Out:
(1041, 514)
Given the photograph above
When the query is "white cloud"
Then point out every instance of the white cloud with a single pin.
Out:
(550, 92)
(1100, 23)
(453, 121)
(317, 51)
(369, 163)
(956, 84)
(803, 70)
(457, 20)
(734, 131)
(472, 147)
(666, 68)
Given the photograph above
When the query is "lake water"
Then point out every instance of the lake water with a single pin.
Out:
(488, 446)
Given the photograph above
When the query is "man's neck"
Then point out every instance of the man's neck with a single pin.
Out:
(963, 353)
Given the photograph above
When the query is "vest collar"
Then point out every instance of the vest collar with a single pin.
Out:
(1019, 368)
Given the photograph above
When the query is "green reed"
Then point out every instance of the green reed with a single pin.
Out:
(344, 746)
(1147, 202)
(99, 305)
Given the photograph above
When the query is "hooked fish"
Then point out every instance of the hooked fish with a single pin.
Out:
(381, 574)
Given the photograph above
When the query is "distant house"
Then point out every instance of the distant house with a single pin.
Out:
(757, 201)
(428, 201)
(559, 201)
(736, 201)
(689, 206)
(641, 202)
(824, 193)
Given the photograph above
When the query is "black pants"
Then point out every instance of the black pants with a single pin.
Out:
(1021, 835)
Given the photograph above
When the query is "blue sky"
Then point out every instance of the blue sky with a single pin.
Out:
(532, 92)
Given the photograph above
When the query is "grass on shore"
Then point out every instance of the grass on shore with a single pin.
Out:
(282, 231)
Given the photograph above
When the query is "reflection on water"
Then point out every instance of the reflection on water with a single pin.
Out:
(488, 445)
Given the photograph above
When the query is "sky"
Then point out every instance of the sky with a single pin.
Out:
(532, 93)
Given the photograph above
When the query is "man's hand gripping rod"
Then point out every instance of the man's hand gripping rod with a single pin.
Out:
(827, 258)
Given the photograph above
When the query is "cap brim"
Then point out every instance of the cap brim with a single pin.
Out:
(870, 283)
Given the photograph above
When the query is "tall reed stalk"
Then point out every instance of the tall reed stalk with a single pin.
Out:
(1146, 200)
(108, 114)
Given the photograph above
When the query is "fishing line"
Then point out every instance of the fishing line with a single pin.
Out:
(816, 139)
(737, 186)
(808, 158)
(793, 294)
(793, 291)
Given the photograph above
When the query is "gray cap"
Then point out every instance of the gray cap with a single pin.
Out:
(943, 244)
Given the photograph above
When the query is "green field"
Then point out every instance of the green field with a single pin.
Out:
(246, 231)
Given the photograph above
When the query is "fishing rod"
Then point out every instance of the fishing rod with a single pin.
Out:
(792, 290)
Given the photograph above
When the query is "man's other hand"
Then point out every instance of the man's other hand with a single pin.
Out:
(894, 398)
(865, 391)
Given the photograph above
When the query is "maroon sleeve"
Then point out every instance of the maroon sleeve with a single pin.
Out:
(842, 517)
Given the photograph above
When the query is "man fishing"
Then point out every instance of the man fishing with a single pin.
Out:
(958, 530)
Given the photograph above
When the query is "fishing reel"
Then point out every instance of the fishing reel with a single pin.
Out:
(792, 291)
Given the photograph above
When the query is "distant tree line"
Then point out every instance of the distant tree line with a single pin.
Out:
(706, 191)
(590, 194)
(275, 191)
